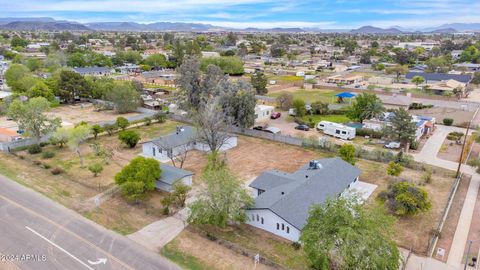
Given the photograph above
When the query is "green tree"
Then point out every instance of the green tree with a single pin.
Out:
(259, 82)
(129, 137)
(18, 42)
(14, 74)
(156, 61)
(31, 117)
(417, 80)
(125, 98)
(299, 106)
(223, 201)
(72, 85)
(403, 128)
(40, 89)
(347, 153)
(398, 70)
(96, 129)
(342, 234)
(138, 177)
(122, 123)
(178, 196)
(60, 137)
(96, 169)
(77, 136)
(231, 65)
(110, 128)
(319, 107)
(365, 106)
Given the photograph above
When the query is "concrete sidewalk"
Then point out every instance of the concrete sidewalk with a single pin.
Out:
(428, 155)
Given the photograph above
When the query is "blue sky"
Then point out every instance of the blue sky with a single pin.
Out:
(255, 13)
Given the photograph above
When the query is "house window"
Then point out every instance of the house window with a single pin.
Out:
(288, 229)
(258, 219)
(283, 226)
(253, 217)
(337, 131)
(261, 220)
(278, 226)
(153, 151)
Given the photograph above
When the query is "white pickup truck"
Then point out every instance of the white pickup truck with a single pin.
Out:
(392, 145)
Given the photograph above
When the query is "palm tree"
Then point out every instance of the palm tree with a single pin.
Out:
(373, 110)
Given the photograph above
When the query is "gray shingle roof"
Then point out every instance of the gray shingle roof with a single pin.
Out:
(292, 198)
(171, 174)
(440, 76)
(87, 70)
(183, 136)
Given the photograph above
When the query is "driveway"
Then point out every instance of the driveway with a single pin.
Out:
(37, 233)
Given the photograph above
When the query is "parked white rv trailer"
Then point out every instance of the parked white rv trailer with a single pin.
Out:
(336, 130)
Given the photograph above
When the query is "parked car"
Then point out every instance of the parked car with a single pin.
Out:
(275, 115)
(258, 127)
(273, 130)
(302, 127)
(392, 145)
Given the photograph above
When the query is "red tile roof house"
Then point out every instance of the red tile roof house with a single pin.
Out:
(8, 135)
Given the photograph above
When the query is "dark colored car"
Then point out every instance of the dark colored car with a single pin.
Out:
(302, 127)
(258, 128)
(275, 115)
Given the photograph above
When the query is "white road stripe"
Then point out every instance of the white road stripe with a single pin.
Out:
(59, 247)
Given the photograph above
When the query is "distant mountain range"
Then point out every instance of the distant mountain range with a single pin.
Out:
(50, 24)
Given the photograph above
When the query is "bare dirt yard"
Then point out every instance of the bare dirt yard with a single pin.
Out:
(459, 116)
(74, 114)
(446, 237)
(194, 251)
(450, 150)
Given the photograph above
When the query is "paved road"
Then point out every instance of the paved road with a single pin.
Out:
(58, 238)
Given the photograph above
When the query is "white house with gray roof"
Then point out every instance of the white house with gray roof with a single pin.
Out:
(283, 200)
(171, 175)
(183, 139)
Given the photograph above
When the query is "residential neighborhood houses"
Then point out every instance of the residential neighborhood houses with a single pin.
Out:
(229, 149)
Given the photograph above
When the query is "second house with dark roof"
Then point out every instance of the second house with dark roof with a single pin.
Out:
(283, 200)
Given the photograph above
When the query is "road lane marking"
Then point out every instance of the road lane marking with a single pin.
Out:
(59, 247)
(114, 258)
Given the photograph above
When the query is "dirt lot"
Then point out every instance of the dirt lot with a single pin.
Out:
(450, 150)
(73, 114)
(252, 156)
(413, 231)
(446, 237)
(206, 254)
(459, 116)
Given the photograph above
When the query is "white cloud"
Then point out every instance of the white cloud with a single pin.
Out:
(266, 25)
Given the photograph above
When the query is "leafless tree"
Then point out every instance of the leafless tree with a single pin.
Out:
(180, 159)
(213, 126)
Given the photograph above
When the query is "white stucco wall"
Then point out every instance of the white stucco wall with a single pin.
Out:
(270, 221)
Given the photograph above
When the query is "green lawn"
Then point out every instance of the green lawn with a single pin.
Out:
(285, 78)
(329, 117)
(310, 96)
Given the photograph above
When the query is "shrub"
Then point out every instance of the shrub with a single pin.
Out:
(46, 166)
(347, 153)
(43, 144)
(148, 121)
(48, 154)
(96, 169)
(96, 129)
(160, 117)
(427, 177)
(34, 149)
(37, 162)
(414, 145)
(57, 171)
(394, 169)
(296, 245)
(122, 122)
(447, 121)
(369, 132)
(129, 137)
(404, 198)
